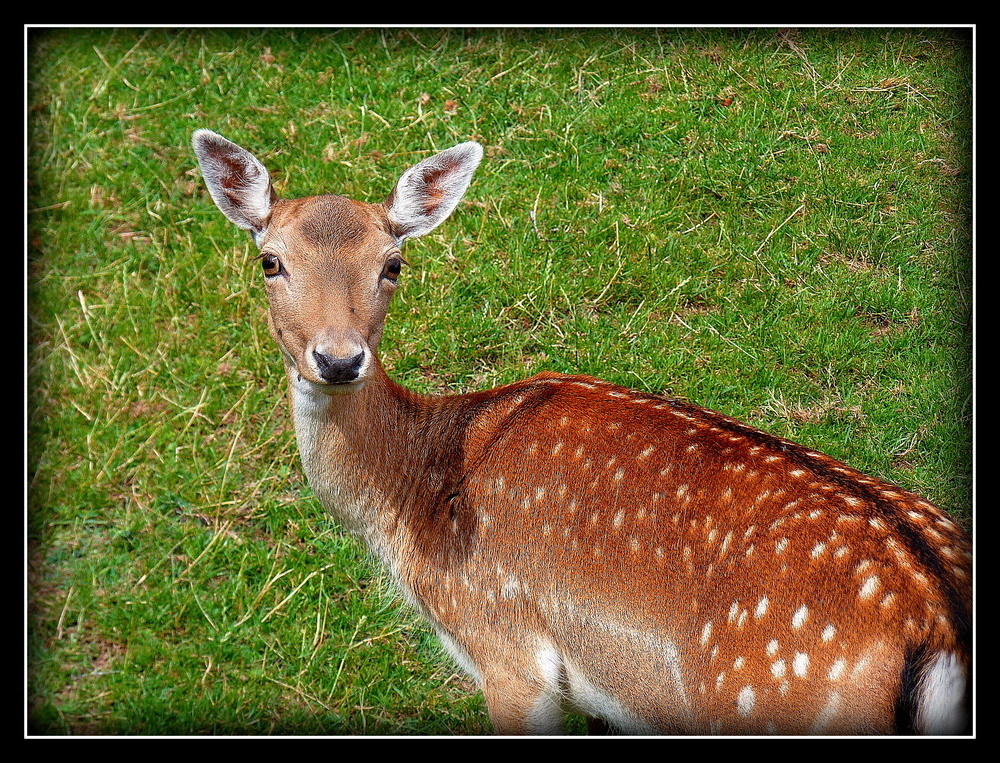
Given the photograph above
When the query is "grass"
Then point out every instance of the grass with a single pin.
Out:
(773, 224)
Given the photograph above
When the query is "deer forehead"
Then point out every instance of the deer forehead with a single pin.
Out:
(329, 226)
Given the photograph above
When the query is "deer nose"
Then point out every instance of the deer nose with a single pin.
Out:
(339, 370)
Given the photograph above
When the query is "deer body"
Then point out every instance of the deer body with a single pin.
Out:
(651, 563)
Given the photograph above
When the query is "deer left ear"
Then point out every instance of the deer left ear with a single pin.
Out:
(239, 184)
(428, 192)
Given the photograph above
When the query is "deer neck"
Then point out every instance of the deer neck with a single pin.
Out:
(377, 456)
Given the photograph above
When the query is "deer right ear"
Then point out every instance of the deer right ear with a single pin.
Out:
(238, 182)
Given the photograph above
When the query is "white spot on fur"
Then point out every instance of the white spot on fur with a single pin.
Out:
(511, 588)
(800, 616)
(745, 701)
(800, 664)
(761, 609)
(725, 544)
(706, 633)
(837, 669)
(733, 609)
(869, 587)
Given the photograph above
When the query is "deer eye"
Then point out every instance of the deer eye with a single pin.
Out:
(270, 264)
(392, 269)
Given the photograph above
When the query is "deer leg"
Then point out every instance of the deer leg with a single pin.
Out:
(522, 703)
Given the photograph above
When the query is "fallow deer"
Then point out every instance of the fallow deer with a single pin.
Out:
(649, 563)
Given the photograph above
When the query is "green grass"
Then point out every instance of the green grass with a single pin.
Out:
(775, 225)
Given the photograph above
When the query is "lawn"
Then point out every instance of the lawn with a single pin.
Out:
(775, 224)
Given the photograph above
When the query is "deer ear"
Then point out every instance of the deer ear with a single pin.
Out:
(428, 192)
(238, 182)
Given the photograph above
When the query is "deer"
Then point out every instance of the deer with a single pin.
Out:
(578, 546)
